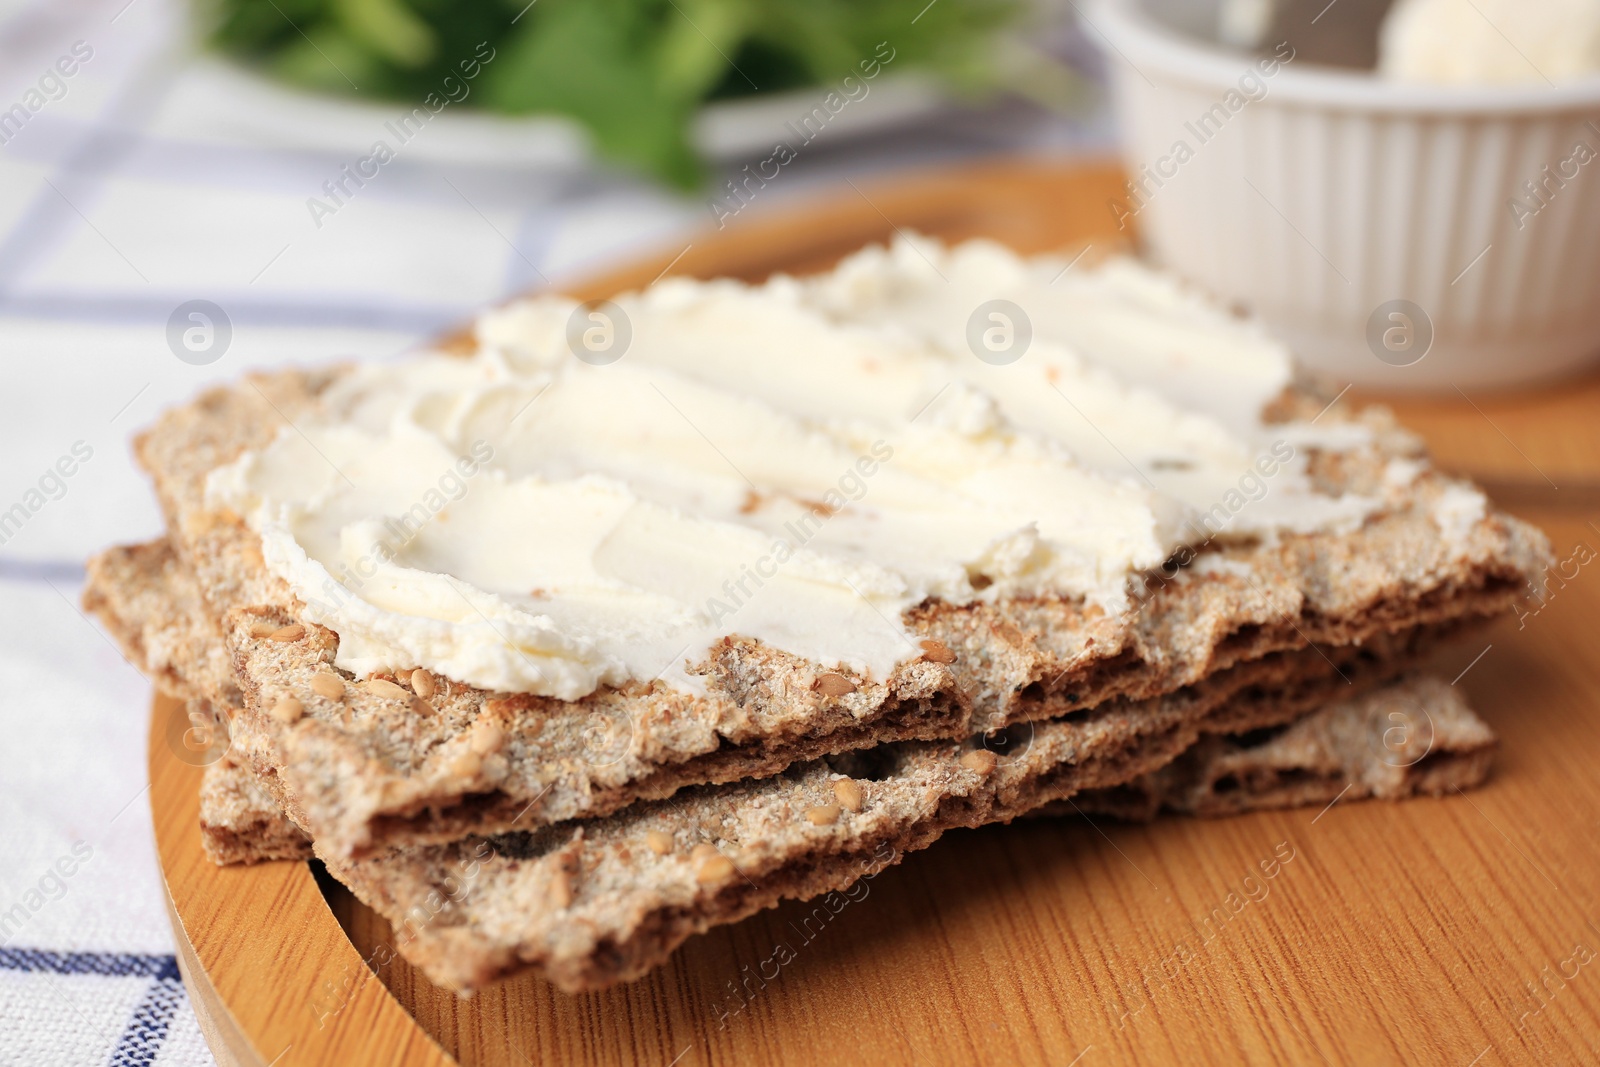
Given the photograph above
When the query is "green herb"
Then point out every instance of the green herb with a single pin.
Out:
(634, 72)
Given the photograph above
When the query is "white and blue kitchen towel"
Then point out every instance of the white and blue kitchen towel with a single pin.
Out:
(142, 183)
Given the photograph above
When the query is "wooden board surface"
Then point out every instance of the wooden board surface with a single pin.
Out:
(1458, 931)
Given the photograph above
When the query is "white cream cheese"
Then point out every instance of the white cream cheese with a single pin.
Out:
(1490, 42)
(798, 462)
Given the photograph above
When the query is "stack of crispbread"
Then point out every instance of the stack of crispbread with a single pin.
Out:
(587, 838)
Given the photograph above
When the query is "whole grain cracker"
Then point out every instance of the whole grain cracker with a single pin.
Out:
(984, 665)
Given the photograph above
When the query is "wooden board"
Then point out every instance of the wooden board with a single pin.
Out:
(1454, 931)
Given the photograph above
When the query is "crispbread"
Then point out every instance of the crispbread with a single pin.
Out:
(592, 903)
(239, 820)
(146, 599)
(367, 771)
(124, 590)
(1328, 754)
(1400, 741)
(628, 920)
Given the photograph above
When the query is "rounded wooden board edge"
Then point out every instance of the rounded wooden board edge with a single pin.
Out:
(999, 199)
(315, 1002)
(226, 1041)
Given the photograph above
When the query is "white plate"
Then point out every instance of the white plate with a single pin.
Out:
(226, 102)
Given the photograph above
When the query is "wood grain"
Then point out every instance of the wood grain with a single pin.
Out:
(1398, 933)
(269, 970)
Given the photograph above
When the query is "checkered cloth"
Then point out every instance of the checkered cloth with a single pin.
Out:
(155, 235)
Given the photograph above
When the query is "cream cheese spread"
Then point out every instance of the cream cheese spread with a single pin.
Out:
(798, 462)
(1489, 42)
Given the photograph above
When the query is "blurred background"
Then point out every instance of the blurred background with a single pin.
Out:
(216, 152)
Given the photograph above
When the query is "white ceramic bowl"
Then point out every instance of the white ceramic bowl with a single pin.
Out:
(1373, 224)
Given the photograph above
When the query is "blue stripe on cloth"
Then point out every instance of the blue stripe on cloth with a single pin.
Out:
(41, 570)
(355, 313)
(147, 1030)
(183, 163)
(105, 964)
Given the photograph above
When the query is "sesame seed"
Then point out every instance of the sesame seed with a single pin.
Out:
(261, 628)
(848, 794)
(561, 889)
(327, 684)
(287, 710)
(487, 737)
(823, 815)
(1011, 635)
(834, 685)
(422, 682)
(386, 689)
(660, 843)
(714, 869)
(979, 761)
(703, 851)
(293, 632)
(466, 765)
(422, 707)
(937, 652)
